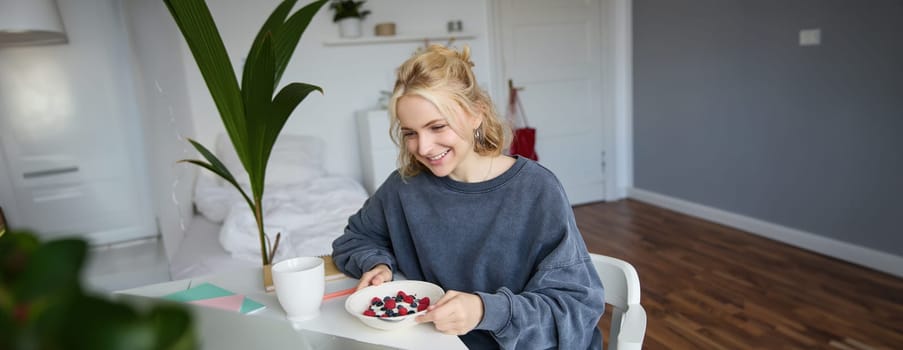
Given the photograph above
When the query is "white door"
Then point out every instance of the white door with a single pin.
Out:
(553, 48)
(72, 162)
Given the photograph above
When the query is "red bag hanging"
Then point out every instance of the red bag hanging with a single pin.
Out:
(524, 143)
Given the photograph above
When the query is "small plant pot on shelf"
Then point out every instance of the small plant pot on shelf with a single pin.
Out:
(350, 27)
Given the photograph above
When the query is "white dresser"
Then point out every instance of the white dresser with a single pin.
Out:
(379, 154)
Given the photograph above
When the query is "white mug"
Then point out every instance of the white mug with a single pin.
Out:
(300, 284)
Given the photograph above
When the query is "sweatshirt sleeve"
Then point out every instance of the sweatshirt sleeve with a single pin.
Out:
(560, 308)
(365, 242)
(562, 301)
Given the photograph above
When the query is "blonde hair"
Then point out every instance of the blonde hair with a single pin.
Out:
(442, 75)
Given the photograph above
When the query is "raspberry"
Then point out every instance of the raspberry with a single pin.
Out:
(424, 303)
(401, 304)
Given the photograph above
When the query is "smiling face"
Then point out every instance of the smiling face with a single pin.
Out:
(432, 139)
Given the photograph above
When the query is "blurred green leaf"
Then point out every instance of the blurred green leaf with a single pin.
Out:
(53, 268)
(42, 304)
(173, 328)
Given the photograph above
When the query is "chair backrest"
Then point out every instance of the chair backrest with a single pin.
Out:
(622, 292)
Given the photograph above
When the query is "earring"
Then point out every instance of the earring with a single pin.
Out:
(478, 135)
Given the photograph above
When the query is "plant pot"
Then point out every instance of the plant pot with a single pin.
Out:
(350, 27)
(268, 278)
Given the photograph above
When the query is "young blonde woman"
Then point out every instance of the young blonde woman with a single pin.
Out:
(496, 232)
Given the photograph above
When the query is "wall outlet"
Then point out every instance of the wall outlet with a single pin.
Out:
(810, 37)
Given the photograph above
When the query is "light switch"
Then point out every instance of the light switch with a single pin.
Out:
(810, 37)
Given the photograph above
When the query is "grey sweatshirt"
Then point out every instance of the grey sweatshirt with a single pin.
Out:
(511, 240)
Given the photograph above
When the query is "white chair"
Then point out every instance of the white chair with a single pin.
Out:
(622, 292)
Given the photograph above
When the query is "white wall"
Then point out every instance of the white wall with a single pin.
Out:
(163, 99)
(351, 76)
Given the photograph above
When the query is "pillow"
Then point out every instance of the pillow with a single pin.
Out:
(294, 159)
(214, 199)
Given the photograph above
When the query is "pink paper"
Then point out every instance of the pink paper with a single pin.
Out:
(231, 302)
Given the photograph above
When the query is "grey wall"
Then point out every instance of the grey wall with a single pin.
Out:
(730, 112)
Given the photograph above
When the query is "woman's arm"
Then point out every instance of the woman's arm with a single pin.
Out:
(560, 308)
(365, 243)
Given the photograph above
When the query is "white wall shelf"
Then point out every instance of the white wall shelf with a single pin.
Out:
(401, 38)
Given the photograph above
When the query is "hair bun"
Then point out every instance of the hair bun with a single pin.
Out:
(447, 52)
(464, 55)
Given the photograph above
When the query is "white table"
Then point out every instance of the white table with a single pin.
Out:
(219, 329)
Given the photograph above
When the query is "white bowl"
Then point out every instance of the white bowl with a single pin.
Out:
(358, 302)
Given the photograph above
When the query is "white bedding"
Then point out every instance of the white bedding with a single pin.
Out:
(309, 213)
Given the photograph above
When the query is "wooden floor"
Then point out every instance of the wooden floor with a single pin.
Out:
(708, 286)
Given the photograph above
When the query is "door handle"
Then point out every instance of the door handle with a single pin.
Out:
(50, 172)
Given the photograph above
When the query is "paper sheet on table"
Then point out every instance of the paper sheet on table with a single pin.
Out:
(230, 303)
(207, 294)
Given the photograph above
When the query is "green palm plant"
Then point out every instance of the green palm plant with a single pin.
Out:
(252, 115)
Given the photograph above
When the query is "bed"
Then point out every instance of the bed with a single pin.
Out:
(302, 201)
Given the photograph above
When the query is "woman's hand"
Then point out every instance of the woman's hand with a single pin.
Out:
(376, 276)
(456, 313)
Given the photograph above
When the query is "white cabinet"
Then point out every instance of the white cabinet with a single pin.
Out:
(379, 154)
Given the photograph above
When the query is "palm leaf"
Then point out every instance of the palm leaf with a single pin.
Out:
(288, 37)
(272, 27)
(283, 105)
(257, 90)
(200, 32)
(217, 167)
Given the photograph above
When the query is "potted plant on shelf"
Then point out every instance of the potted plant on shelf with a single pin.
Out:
(252, 114)
(348, 14)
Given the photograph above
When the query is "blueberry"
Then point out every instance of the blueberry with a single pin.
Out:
(414, 304)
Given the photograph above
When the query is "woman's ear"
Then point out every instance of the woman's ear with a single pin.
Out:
(478, 121)
(475, 119)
